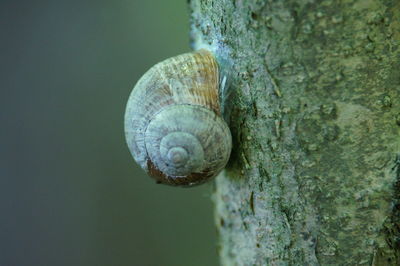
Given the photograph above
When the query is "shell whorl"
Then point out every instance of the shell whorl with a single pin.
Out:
(173, 121)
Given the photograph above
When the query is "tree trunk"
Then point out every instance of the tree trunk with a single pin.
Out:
(315, 117)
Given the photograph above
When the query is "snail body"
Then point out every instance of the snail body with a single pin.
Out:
(173, 123)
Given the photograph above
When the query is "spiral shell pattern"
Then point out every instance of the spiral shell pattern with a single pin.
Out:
(173, 124)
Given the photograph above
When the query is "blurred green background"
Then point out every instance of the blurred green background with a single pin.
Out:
(70, 192)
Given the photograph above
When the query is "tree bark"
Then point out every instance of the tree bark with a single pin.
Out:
(314, 112)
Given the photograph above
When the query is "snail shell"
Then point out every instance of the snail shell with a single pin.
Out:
(173, 122)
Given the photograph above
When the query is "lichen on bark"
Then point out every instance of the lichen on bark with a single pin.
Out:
(315, 119)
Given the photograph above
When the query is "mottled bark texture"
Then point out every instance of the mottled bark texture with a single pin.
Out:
(315, 119)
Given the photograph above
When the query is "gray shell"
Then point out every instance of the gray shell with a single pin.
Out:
(173, 124)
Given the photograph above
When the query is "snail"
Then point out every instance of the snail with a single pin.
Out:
(173, 122)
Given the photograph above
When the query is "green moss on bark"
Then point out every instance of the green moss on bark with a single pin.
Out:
(315, 107)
